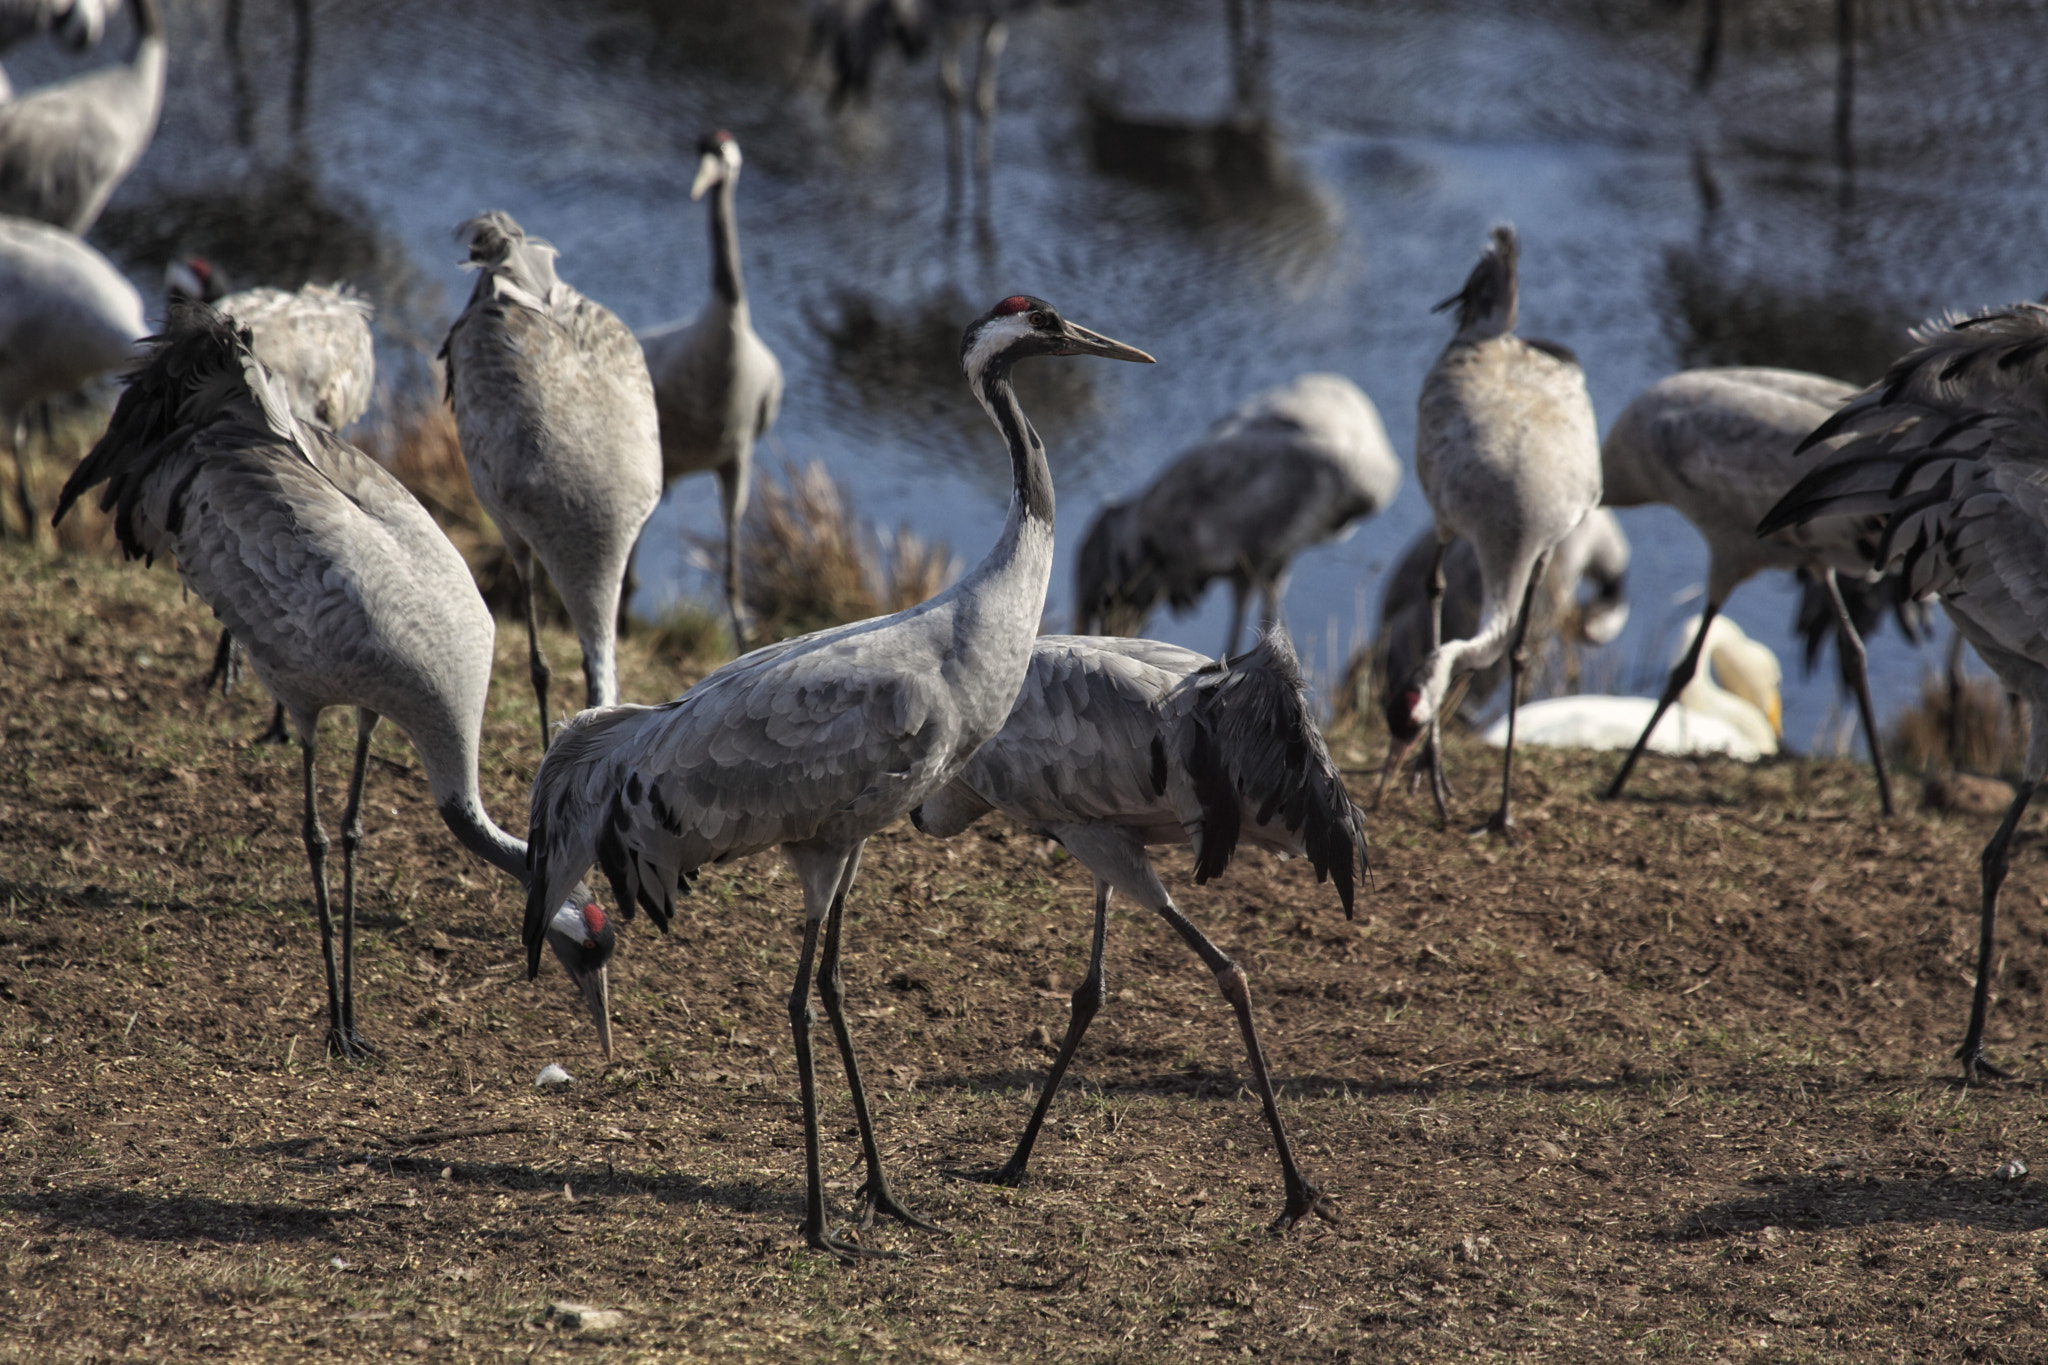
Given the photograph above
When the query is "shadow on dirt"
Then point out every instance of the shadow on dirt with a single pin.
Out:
(1815, 1203)
(171, 1218)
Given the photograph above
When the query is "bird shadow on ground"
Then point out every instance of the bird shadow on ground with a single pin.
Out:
(171, 1218)
(1816, 1203)
(589, 1183)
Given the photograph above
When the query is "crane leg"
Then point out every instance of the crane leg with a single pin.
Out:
(1239, 590)
(1681, 674)
(1439, 785)
(536, 661)
(952, 98)
(1303, 1198)
(732, 495)
(994, 36)
(316, 858)
(1087, 1003)
(1850, 643)
(1503, 821)
(227, 665)
(1994, 867)
(21, 489)
(351, 841)
(277, 733)
(875, 1191)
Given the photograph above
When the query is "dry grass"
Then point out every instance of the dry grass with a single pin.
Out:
(75, 424)
(1982, 732)
(810, 561)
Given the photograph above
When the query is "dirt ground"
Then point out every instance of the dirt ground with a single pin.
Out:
(1669, 1080)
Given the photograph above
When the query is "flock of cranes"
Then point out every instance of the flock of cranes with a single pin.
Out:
(223, 453)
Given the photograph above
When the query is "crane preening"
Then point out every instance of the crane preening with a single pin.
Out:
(814, 744)
(1115, 744)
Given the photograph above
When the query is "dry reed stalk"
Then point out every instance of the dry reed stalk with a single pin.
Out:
(1985, 735)
(810, 561)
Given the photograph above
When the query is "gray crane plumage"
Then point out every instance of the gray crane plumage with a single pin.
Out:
(1507, 451)
(1596, 552)
(1950, 451)
(1288, 468)
(814, 744)
(66, 315)
(1114, 744)
(717, 386)
(65, 146)
(1717, 445)
(330, 574)
(556, 415)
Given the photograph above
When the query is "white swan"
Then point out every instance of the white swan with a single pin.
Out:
(1730, 707)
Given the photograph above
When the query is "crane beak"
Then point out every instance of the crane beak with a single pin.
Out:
(1081, 341)
(596, 989)
(710, 169)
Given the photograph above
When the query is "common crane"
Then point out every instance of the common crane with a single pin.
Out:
(1507, 452)
(65, 146)
(342, 589)
(1949, 450)
(1117, 743)
(717, 386)
(813, 744)
(1718, 445)
(66, 315)
(556, 416)
(1286, 469)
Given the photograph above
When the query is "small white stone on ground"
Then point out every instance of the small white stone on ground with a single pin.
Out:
(2012, 1170)
(553, 1075)
(581, 1317)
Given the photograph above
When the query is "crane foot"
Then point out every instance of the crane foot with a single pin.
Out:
(876, 1197)
(1010, 1175)
(277, 733)
(1502, 824)
(1303, 1200)
(1975, 1068)
(348, 1045)
(817, 1239)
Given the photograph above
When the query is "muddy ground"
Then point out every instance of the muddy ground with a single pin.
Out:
(1669, 1080)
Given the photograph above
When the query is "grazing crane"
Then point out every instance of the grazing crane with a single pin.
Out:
(814, 744)
(717, 386)
(317, 343)
(1596, 552)
(1286, 469)
(1115, 744)
(1949, 449)
(77, 24)
(65, 146)
(556, 416)
(66, 314)
(341, 587)
(1731, 706)
(1717, 445)
(1507, 451)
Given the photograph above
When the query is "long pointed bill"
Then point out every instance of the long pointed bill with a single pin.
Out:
(1397, 754)
(1081, 341)
(596, 988)
(709, 167)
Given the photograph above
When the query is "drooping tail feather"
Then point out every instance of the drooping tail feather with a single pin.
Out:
(1251, 740)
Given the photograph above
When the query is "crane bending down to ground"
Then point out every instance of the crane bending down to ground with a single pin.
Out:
(814, 744)
(1596, 552)
(1717, 446)
(1286, 469)
(66, 315)
(316, 342)
(77, 24)
(717, 386)
(556, 416)
(1507, 451)
(65, 146)
(344, 592)
(1115, 744)
(1950, 449)
(1731, 706)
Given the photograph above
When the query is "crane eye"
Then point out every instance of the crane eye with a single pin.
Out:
(1041, 320)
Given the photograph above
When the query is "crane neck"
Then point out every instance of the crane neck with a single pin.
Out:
(462, 810)
(725, 244)
(1033, 477)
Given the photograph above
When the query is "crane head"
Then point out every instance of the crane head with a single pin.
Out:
(1022, 325)
(194, 278)
(581, 935)
(1486, 305)
(82, 24)
(718, 160)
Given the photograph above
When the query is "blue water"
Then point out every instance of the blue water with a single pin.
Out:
(1661, 227)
